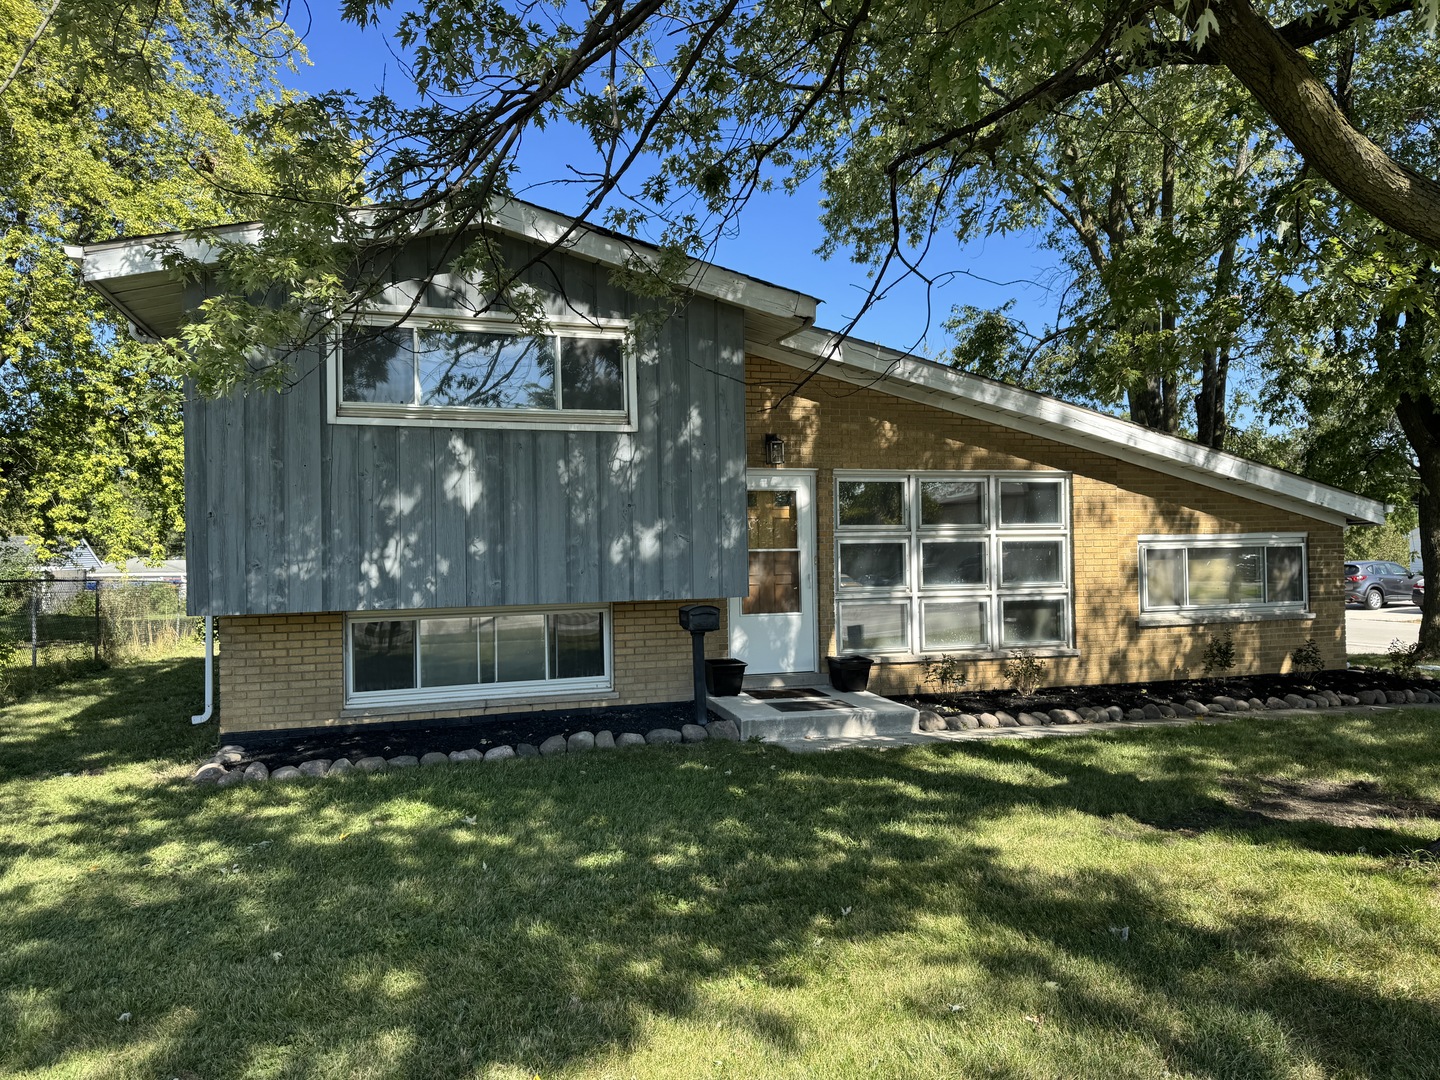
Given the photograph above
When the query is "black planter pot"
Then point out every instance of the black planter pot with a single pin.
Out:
(849, 674)
(724, 676)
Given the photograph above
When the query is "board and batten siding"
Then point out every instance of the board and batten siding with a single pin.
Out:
(286, 512)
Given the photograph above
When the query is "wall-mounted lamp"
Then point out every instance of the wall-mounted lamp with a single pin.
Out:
(774, 450)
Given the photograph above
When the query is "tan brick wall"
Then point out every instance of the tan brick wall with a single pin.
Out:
(287, 671)
(829, 425)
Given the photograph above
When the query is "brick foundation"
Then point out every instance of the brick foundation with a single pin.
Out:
(278, 672)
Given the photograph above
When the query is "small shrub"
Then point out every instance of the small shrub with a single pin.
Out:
(1308, 657)
(1404, 659)
(1219, 655)
(946, 671)
(1024, 674)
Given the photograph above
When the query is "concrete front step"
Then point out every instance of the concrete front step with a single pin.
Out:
(834, 716)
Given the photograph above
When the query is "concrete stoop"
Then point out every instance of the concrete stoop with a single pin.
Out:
(812, 712)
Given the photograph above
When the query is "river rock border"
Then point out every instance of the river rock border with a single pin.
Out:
(228, 767)
(942, 719)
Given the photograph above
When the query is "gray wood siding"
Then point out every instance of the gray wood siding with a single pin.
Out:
(286, 512)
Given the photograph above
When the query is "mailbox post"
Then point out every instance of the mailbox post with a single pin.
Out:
(699, 619)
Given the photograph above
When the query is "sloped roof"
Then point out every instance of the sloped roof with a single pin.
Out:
(864, 363)
(779, 325)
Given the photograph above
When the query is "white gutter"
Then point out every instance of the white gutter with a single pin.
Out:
(200, 718)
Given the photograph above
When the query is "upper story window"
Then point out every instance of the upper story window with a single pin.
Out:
(1208, 575)
(484, 373)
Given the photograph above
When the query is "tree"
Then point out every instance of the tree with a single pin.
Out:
(115, 119)
(689, 107)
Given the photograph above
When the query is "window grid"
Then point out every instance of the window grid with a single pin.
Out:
(1267, 543)
(988, 530)
(345, 410)
(418, 692)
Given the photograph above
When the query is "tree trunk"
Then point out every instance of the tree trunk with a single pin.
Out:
(1421, 423)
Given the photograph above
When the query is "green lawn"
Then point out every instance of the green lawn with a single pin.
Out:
(728, 910)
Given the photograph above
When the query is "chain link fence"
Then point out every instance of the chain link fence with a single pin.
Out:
(68, 617)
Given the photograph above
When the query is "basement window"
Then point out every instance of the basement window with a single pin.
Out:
(410, 658)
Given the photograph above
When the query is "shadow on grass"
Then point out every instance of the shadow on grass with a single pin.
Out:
(364, 925)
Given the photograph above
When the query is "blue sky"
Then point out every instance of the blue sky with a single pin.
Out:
(776, 236)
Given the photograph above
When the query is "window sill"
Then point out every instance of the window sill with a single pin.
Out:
(1039, 651)
(1200, 618)
(475, 705)
(561, 422)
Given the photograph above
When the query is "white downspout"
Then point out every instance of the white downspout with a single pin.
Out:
(209, 672)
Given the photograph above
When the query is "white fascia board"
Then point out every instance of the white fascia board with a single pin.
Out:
(143, 255)
(864, 364)
(531, 222)
(139, 255)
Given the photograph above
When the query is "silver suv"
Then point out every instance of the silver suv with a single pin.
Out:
(1376, 584)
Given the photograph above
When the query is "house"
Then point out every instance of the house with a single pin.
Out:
(445, 519)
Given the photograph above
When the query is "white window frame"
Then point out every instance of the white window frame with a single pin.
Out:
(1185, 611)
(421, 695)
(341, 411)
(991, 534)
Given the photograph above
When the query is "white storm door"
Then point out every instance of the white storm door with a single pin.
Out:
(773, 628)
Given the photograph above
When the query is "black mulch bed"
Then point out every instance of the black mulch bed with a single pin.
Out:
(462, 733)
(1138, 695)
(511, 729)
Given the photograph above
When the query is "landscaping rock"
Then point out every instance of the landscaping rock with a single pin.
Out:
(208, 773)
(1409, 696)
(1332, 697)
(1135, 714)
(1114, 712)
(403, 761)
(1006, 720)
(1029, 719)
(1088, 714)
(555, 744)
(1276, 703)
(1319, 701)
(1241, 705)
(371, 764)
(1295, 701)
(1221, 704)
(434, 758)
(315, 767)
(1256, 703)
(257, 772)
(229, 755)
(1065, 716)
(961, 722)
(1348, 699)
(579, 743)
(230, 779)
(604, 740)
(1195, 708)
(499, 753)
(720, 729)
(1395, 697)
(340, 766)
(525, 749)
(286, 772)
(462, 756)
(930, 720)
(988, 720)
(1152, 712)
(630, 738)
(663, 735)
(1167, 712)
(693, 733)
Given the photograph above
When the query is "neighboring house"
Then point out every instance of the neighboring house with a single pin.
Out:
(446, 521)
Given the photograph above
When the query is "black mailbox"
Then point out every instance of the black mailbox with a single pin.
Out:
(700, 618)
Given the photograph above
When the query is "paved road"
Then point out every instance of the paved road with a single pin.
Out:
(1373, 631)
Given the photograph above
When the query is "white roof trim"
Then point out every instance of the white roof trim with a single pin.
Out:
(113, 259)
(864, 364)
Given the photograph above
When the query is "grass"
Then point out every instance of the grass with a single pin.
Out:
(727, 910)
